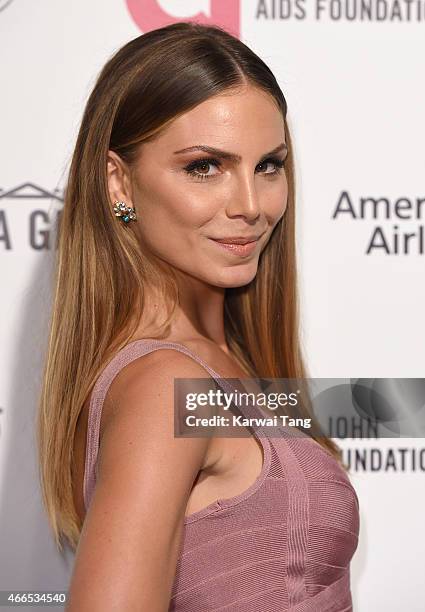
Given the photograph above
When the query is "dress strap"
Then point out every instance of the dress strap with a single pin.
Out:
(126, 355)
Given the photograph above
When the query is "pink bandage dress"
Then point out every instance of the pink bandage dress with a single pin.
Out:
(283, 545)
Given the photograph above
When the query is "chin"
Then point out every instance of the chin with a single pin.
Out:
(235, 277)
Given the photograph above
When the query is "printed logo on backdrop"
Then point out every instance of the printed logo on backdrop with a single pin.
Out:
(394, 226)
(152, 14)
(342, 10)
(4, 4)
(372, 409)
(17, 214)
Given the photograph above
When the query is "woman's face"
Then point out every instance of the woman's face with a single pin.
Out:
(188, 195)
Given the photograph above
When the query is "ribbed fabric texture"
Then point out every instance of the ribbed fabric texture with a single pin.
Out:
(283, 545)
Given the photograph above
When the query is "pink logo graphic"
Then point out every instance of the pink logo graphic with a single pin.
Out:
(149, 15)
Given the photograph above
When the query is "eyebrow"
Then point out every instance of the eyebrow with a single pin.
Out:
(233, 157)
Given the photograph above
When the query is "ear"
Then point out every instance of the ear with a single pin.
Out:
(119, 183)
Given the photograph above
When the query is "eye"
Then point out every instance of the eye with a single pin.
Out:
(278, 164)
(198, 166)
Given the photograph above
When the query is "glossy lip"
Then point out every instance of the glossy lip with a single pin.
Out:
(238, 239)
(242, 250)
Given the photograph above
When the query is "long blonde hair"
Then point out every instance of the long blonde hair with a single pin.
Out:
(102, 269)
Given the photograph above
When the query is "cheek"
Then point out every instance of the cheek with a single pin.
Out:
(177, 206)
(172, 218)
(277, 202)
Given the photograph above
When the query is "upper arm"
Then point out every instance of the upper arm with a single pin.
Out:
(128, 549)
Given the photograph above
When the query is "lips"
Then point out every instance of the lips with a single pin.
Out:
(238, 248)
(238, 239)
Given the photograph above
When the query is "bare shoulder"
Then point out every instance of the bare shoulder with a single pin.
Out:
(146, 380)
(144, 479)
(163, 363)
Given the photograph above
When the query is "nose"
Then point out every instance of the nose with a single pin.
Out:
(244, 200)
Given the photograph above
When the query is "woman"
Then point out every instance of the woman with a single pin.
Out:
(178, 234)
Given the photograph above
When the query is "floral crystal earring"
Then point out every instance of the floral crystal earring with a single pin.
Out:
(127, 213)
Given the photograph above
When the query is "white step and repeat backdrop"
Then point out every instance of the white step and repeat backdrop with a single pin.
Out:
(352, 72)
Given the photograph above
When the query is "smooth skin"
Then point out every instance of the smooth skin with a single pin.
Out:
(148, 481)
